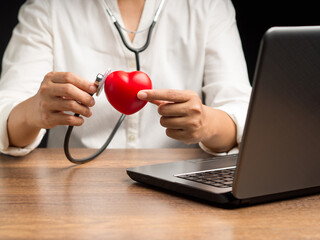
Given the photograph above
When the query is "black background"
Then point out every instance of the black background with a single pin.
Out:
(256, 17)
(8, 19)
(253, 18)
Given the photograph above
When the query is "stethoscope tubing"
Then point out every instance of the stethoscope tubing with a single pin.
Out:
(98, 152)
(136, 51)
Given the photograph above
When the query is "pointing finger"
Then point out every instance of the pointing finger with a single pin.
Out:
(168, 95)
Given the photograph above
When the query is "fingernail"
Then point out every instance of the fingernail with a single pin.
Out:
(142, 95)
(93, 88)
(92, 102)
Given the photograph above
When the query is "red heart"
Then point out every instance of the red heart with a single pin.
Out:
(121, 89)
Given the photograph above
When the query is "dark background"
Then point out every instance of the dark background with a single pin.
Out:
(8, 19)
(253, 17)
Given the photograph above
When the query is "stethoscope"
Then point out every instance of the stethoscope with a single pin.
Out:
(100, 80)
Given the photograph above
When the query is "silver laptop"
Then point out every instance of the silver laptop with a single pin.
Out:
(280, 152)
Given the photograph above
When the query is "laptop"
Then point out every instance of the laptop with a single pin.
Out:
(279, 156)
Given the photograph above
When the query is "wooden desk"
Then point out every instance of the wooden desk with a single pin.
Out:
(43, 196)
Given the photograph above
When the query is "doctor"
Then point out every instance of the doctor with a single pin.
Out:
(195, 61)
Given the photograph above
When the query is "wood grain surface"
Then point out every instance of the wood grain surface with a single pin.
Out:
(44, 196)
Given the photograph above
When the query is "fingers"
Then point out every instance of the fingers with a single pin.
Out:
(181, 111)
(172, 102)
(61, 118)
(174, 109)
(69, 91)
(173, 122)
(72, 106)
(168, 95)
(185, 136)
(61, 92)
(177, 134)
(73, 79)
(158, 102)
(181, 123)
(67, 86)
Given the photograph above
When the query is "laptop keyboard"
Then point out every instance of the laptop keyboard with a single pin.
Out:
(221, 178)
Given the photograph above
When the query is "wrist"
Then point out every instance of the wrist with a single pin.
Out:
(220, 130)
(31, 114)
(20, 126)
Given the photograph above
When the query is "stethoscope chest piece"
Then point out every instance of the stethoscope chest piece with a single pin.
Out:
(100, 81)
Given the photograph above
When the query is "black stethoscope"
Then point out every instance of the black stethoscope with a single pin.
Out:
(100, 80)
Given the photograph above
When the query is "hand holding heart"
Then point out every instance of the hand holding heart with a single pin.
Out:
(182, 111)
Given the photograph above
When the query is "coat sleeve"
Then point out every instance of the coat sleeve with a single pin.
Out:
(28, 57)
(226, 83)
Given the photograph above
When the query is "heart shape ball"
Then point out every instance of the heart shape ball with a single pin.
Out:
(121, 89)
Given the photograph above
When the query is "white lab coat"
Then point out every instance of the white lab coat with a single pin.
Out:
(195, 45)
